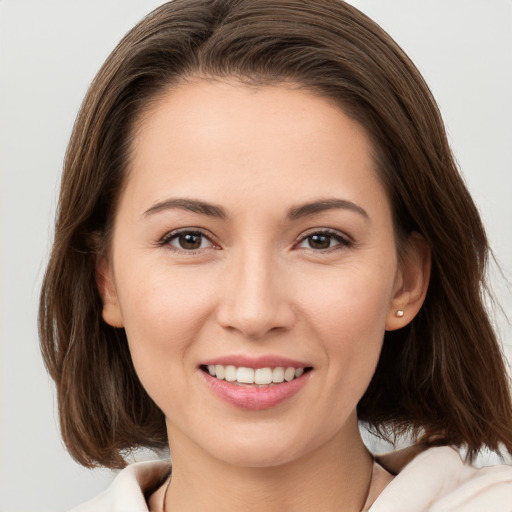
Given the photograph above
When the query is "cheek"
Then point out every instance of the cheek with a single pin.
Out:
(349, 319)
(352, 339)
(163, 311)
(355, 300)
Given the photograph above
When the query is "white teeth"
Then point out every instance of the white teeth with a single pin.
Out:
(278, 374)
(289, 374)
(259, 376)
(263, 376)
(219, 371)
(244, 375)
(230, 373)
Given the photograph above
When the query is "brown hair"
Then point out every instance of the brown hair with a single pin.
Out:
(442, 378)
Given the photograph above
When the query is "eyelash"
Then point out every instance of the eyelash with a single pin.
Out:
(342, 240)
(166, 240)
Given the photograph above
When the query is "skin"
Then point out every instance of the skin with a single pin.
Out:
(257, 285)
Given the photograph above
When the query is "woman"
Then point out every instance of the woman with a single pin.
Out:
(263, 239)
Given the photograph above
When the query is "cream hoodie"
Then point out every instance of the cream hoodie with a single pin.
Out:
(436, 480)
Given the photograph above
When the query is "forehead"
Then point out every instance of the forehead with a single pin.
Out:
(212, 138)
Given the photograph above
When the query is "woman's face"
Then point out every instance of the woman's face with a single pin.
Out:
(252, 235)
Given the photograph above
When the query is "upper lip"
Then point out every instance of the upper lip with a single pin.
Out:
(264, 361)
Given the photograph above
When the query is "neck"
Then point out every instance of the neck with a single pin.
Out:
(334, 477)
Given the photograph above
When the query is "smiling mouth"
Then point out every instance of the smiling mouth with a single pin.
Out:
(243, 376)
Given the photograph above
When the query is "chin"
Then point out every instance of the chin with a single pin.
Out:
(257, 457)
(260, 447)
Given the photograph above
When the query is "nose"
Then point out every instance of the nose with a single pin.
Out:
(256, 298)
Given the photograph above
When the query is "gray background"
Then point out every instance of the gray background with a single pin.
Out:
(50, 51)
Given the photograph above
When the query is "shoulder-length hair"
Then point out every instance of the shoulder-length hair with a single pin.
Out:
(442, 378)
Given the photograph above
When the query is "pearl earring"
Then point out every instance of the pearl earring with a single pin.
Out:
(399, 313)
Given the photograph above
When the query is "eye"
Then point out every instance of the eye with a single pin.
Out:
(187, 241)
(323, 240)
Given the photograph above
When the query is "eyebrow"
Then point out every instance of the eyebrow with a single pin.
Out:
(295, 213)
(191, 205)
(324, 205)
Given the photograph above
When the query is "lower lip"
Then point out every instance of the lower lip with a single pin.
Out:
(252, 397)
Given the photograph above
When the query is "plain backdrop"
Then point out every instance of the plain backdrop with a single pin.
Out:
(49, 53)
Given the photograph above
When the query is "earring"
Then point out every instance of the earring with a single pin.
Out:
(399, 313)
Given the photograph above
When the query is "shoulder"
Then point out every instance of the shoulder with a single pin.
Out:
(438, 480)
(126, 493)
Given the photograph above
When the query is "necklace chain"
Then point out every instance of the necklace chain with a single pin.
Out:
(164, 508)
(164, 505)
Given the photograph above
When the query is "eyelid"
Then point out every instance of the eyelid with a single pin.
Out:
(165, 240)
(345, 240)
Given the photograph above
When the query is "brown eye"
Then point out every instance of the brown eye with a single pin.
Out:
(319, 241)
(323, 241)
(189, 241)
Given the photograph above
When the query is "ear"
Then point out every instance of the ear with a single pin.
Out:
(106, 286)
(411, 283)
